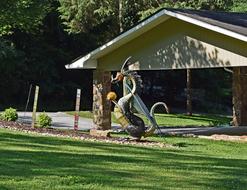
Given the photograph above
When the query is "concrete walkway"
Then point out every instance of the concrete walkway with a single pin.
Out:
(62, 120)
(207, 131)
(65, 121)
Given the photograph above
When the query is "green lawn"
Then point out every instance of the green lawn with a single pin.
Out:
(177, 119)
(37, 162)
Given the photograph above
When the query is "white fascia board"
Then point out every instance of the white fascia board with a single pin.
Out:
(207, 26)
(83, 63)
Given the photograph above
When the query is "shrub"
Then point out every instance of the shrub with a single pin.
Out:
(9, 114)
(44, 120)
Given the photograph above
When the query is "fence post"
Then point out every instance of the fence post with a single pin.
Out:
(35, 102)
(77, 109)
(29, 93)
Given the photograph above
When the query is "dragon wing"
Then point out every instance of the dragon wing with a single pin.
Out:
(139, 105)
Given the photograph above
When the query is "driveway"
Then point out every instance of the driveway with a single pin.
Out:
(206, 131)
(59, 120)
(65, 121)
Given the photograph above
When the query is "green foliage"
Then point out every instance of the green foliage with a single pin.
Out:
(239, 6)
(44, 120)
(84, 15)
(9, 114)
(22, 14)
(87, 15)
(11, 69)
(219, 5)
(7, 49)
(205, 4)
(39, 58)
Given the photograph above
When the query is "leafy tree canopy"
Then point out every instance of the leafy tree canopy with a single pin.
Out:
(239, 6)
(24, 15)
(188, 4)
(83, 15)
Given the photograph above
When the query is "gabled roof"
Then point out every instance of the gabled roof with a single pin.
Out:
(230, 24)
(235, 22)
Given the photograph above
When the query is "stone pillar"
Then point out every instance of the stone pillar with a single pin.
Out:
(239, 92)
(101, 106)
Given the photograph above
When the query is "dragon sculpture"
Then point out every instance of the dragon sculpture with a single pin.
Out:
(126, 107)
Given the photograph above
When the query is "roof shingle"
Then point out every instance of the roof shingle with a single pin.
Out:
(235, 22)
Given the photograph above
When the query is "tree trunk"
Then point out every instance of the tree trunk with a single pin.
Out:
(101, 106)
(239, 92)
(120, 15)
(189, 93)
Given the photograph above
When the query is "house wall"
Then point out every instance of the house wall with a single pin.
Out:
(176, 44)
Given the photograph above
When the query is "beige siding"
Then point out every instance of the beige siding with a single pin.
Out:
(175, 44)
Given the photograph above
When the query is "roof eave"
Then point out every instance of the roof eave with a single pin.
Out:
(83, 64)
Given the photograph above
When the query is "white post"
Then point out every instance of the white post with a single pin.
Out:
(77, 108)
(35, 102)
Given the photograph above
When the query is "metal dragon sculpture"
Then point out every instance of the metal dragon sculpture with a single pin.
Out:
(126, 107)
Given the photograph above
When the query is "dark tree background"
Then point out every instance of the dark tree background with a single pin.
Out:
(39, 37)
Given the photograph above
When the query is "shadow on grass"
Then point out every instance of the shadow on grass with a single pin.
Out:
(75, 163)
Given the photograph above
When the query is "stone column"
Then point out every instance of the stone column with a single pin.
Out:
(239, 92)
(101, 106)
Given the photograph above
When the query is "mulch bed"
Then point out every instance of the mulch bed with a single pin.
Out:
(16, 126)
(117, 140)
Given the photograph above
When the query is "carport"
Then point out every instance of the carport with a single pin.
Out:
(173, 39)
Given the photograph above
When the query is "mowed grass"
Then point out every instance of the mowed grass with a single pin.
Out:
(178, 120)
(34, 162)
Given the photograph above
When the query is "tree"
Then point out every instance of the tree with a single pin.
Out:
(24, 15)
(11, 65)
(120, 15)
(239, 96)
(37, 55)
(239, 6)
(108, 17)
(189, 92)
(219, 5)
(84, 15)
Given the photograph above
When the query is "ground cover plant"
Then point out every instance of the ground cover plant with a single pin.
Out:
(9, 114)
(29, 161)
(180, 120)
(44, 120)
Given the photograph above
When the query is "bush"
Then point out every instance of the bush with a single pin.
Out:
(9, 114)
(44, 120)
(1, 117)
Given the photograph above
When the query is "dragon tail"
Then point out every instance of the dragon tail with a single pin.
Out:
(154, 125)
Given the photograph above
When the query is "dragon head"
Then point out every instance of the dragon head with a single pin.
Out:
(119, 77)
(123, 72)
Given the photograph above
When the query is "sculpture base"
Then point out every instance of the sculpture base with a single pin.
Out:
(100, 133)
